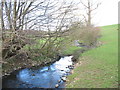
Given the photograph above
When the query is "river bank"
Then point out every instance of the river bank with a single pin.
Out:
(98, 67)
(22, 61)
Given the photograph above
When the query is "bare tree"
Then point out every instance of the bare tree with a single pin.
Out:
(1, 15)
(90, 8)
(48, 15)
(13, 15)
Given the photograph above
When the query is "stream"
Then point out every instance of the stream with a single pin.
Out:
(52, 76)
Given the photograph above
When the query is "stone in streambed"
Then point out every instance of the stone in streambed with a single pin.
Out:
(57, 85)
(59, 81)
(33, 74)
(71, 67)
(63, 78)
(67, 71)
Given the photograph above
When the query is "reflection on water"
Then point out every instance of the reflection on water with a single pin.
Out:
(45, 77)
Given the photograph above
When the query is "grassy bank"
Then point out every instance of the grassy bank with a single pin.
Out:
(70, 50)
(98, 68)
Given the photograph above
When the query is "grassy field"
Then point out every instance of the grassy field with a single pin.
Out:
(98, 68)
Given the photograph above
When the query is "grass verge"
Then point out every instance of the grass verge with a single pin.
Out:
(98, 68)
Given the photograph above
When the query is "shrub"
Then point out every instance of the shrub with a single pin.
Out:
(89, 35)
(85, 34)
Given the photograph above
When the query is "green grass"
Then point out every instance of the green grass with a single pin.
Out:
(98, 68)
(40, 42)
(71, 50)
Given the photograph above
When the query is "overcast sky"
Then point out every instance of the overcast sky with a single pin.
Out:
(107, 14)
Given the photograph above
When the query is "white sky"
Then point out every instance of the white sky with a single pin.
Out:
(107, 13)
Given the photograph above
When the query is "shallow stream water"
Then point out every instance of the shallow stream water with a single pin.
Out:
(50, 76)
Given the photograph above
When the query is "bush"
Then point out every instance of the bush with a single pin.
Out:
(85, 34)
(89, 35)
(11, 44)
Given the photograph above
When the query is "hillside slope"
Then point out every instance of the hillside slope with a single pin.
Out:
(98, 68)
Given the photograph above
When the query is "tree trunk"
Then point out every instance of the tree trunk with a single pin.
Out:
(1, 16)
(15, 15)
